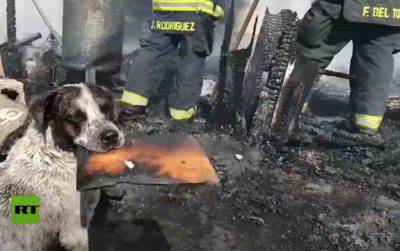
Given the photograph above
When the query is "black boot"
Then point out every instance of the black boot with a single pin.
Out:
(129, 112)
(354, 128)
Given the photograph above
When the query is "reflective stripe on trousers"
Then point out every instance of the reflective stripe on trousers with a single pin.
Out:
(367, 121)
(182, 114)
(134, 99)
(206, 6)
(138, 100)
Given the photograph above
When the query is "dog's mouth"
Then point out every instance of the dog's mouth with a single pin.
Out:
(96, 135)
(99, 145)
(82, 153)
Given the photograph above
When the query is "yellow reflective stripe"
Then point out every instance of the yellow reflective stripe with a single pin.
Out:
(367, 121)
(134, 99)
(182, 114)
(305, 107)
(207, 2)
(205, 6)
(191, 9)
(187, 3)
(218, 13)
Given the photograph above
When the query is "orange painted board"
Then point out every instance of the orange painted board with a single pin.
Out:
(162, 159)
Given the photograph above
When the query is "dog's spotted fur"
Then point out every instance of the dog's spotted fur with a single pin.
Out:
(42, 163)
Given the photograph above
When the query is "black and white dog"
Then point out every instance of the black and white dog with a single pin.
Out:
(42, 163)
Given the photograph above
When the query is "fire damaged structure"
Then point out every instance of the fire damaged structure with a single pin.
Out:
(268, 166)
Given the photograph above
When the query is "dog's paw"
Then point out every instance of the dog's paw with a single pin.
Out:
(75, 239)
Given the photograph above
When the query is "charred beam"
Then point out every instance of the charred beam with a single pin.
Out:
(11, 22)
(18, 45)
(336, 74)
(223, 65)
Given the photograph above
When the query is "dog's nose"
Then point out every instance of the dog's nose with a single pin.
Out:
(109, 137)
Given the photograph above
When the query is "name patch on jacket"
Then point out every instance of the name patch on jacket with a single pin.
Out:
(173, 26)
(384, 12)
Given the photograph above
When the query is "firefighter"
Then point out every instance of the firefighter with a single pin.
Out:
(374, 28)
(175, 26)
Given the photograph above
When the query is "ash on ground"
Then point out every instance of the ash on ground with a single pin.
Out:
(329, 190)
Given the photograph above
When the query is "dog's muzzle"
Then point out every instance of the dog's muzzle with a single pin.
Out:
(100, 136)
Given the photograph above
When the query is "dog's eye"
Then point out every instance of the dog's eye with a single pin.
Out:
(71, 119)
(77, 118)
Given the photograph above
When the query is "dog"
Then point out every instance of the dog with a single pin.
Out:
(43, 163)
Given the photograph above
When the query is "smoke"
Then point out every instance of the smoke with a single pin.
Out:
(29, 20)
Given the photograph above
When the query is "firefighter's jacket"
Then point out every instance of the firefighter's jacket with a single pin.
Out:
(383, 12)
(210, 7)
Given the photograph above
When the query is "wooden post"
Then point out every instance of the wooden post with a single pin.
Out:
(245, 25)
(2, 74)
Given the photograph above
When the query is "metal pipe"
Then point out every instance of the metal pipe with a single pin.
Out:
(336, 74)
(90, 76)
(26, 41)
(97, 43)
(46, 20)
(20, 44)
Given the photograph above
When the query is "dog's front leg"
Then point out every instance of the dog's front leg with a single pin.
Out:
(72, 235)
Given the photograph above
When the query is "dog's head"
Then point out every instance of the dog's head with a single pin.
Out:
(79, 115)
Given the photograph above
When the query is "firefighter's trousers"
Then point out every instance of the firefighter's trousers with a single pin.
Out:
(158, 51)
(321, 37)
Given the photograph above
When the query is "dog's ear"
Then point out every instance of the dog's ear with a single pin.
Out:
(40, 109)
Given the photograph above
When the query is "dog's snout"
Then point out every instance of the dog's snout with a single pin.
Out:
(109, 137)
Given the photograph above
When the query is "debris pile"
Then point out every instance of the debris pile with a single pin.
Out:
(307, 196)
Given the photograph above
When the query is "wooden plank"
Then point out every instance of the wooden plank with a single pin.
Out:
(243, 29)
(2, 74)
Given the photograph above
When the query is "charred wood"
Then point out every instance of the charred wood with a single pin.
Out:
(274, 51)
